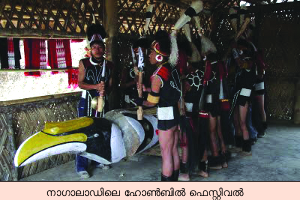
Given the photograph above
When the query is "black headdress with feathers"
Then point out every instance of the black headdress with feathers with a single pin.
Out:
(95, 34)
(164, 44)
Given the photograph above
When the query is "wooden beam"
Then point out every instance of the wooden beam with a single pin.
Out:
(34, 70)
(35, 33)
(35, 99)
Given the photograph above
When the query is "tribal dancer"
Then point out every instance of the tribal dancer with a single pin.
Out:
(193, 85)
(95, 78)
(213, 101)
(245, 80)
(259, 113)
(165, 92)
(260, 96)
(188, 136)
(129, 75)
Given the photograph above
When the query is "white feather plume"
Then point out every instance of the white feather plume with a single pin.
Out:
(173, 59)
(207, 45)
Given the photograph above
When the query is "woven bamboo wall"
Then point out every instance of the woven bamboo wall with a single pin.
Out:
(277, 35)
(21, 121)
(48, 18)
(7, 147)
(279, 39)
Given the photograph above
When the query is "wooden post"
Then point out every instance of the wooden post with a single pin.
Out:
(110, 22)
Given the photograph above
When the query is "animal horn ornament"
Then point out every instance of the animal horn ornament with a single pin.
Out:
(105, 140)
(206, 44)
(148, 17)
(195, 8)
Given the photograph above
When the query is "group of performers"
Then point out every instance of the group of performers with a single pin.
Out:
(198, 108)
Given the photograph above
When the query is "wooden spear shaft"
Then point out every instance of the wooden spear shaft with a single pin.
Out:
(140, 93)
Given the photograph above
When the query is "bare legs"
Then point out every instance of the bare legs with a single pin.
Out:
(261, 103)
(184, 173)
(240, 116)
(242, 120)
(168, 141)
(215, 136)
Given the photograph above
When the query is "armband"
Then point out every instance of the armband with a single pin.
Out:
(153, 97)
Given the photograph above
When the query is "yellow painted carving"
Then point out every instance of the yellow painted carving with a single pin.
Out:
(45, 141)
(55, 128)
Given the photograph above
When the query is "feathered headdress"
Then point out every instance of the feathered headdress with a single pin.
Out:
(161, 44)
(95, 34)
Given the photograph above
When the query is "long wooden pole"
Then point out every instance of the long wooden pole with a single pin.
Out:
(140, 112)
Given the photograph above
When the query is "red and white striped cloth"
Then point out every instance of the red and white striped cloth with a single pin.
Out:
(59, 54)
(43, 55)
(11, 53)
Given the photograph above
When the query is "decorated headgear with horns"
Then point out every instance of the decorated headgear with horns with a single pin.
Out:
(161, 44)
(96, 34)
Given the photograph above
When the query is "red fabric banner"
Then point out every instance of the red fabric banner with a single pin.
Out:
(32, 55)
(59, 54)
(73, 78)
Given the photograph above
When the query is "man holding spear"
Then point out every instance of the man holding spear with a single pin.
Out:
(95, 78)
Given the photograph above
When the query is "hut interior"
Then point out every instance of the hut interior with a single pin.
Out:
(276, 32)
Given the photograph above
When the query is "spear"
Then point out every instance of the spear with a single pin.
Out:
(101, 101)
(140, 81)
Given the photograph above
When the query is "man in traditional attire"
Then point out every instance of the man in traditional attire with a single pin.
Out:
(165, 92)
(95, 78)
